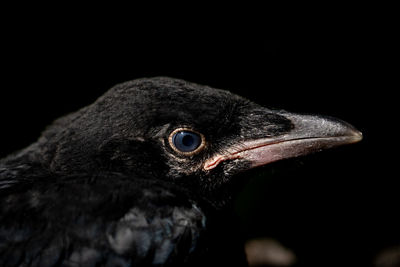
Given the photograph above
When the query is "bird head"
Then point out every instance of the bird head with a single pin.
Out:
(183, 133)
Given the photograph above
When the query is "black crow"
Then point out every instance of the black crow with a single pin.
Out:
(141, 177)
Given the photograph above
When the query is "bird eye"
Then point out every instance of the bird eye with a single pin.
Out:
(186, 141)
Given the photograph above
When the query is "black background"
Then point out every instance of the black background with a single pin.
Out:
(335, 207)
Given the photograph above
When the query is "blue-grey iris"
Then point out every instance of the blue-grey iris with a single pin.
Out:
(186, 141)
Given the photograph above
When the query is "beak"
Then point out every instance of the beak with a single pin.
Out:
(310, 134)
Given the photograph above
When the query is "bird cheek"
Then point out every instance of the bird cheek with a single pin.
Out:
(180, 167)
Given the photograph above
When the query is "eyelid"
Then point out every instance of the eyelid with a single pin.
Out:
(191, 153)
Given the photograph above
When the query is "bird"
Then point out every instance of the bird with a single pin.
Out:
(143, 176)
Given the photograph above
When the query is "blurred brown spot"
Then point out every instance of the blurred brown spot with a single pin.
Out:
(389, 257)
(268, 252)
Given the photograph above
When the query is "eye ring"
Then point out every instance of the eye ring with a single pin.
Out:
(187, 153)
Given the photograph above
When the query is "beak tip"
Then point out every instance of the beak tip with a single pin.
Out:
(356, 136)
(350, 132)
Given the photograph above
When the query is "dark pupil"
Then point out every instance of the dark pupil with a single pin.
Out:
(187, 140)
